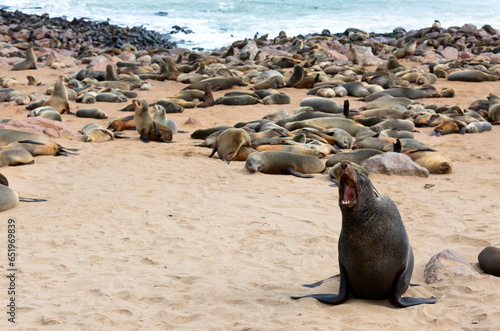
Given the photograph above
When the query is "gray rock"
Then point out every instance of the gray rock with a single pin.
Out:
(468, 28)
(364, 50)
(447, 264)
(450, 53)
(391, 163)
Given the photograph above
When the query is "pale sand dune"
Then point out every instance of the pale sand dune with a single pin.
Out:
(159, 236)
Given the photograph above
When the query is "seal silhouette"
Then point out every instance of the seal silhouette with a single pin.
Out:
(375, 255)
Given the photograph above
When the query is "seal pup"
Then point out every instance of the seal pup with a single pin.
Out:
(59, 97)
(375, 256)
(94, 133)
(160, 116)
(489, 260)
(477, 127)
(122, 123)
(276, 162)
(147, 128)
(28, 63)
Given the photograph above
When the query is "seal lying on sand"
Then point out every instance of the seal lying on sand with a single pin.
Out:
(375, 256)
(276, 162)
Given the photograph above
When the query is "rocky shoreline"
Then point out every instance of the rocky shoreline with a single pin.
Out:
(18, 27)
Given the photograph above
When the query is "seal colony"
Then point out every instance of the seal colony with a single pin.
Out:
(324, 128)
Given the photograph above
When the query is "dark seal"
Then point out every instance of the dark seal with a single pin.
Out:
(489, 260)
(375, 256)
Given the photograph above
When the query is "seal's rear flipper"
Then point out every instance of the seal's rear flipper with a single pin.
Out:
(31, 200)
(346, 108)
(320, 282)
(298, 174)
(213, 150)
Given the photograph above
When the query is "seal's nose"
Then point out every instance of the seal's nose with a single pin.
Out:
(343, 165)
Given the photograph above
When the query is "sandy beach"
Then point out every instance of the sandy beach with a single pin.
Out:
(157, 236)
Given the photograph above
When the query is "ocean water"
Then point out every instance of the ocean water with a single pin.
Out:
(216, 24)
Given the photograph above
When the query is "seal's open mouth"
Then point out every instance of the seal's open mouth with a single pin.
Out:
(348, 191)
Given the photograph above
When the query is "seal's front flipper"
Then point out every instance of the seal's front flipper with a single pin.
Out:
(313, 285)
(400, 287)
(331, 299)
(404, 302)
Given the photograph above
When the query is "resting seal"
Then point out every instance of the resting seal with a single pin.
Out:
(275, 162)
(489, 260)
(14, 157)
(375, 255)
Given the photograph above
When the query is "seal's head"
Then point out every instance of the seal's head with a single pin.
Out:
(254, 162)
(354, 186)
(141, 106)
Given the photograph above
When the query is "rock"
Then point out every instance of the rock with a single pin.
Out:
(428, 57)
(193, 121)
(450, 53)
(363, 51)
(445, 265)
(56, 57)
(484, 36)
(391, 163)
(336, 56)
(468, 28)
(465, 55)
(145, 60)
(128, 57)
(371, 61)
(40, 125)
